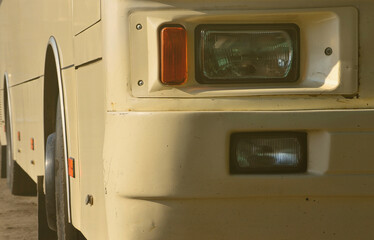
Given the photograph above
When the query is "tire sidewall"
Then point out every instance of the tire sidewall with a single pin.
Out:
(9, 154)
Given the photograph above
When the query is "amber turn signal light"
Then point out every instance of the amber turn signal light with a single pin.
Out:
(173, 55)
(71, 165)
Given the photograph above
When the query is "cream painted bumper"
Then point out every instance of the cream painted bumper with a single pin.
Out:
(166, 177)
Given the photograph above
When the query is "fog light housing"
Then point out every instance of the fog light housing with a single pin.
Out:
(279, 152)
(251, 53)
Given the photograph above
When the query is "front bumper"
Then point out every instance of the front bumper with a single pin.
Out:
(167, 176)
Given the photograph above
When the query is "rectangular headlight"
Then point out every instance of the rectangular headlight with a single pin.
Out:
(266, 152)
(251, 53)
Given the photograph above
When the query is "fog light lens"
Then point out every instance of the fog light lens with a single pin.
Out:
(268, 152)
(247, 53)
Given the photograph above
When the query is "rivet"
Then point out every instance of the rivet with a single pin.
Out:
(32, 162)
(19, 150)
(89, 200)
(140, 83)
(328, 51)
(139, 26)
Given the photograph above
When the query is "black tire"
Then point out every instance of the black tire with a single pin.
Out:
(3, 162)
(18, 180)
(65, 230)
(49, 182)
(8, 152)
(44, 232)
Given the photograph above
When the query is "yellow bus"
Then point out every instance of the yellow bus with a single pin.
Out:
(182, 119)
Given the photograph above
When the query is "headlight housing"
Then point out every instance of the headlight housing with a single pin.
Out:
(250, 53)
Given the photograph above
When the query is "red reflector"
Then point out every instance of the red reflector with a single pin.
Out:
(71, 164)
(173, 55)
(19, 135)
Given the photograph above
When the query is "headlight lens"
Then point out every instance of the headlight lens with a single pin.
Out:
(280, 152)
(247, 53)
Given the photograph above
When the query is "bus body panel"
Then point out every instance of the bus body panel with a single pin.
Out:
(70, 96)
(118, 62)
(169, 178)
(158, 167)
(88, 45)
(254, 218)
(24, 43)
(91, 121)
(85, 14)
(27, 27)
(27, 114)
(190, 151)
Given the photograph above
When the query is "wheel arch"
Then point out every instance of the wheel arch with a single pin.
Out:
(7, 106)
(53, 89)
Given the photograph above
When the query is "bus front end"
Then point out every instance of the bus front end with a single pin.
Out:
(239, 120)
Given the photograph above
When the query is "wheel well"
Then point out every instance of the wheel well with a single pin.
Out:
(50, 92)
(5, 103)
(3, 163)
(50, 96)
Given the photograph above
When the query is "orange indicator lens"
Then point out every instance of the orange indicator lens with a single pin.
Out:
(173, 55)
(71, 164)
(32, 144)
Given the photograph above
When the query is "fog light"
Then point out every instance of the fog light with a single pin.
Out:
(281, 152)
(261, 53)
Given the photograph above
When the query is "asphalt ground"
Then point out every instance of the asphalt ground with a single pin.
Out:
(18, 215)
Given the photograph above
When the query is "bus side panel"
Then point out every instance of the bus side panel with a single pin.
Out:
(91, 120)
(28, 138)
(70, 96)
(86, 13)
(25, 29)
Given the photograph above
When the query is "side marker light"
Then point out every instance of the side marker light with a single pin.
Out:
(71, 164)
(32, 144)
